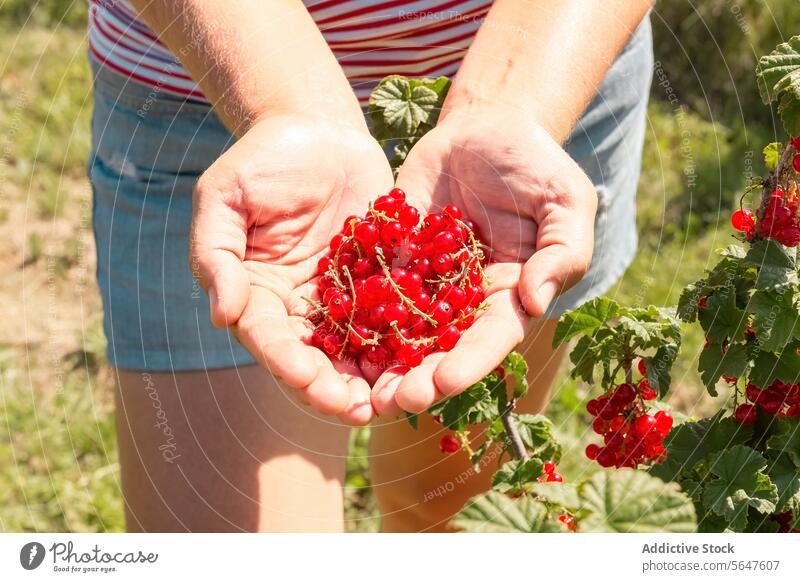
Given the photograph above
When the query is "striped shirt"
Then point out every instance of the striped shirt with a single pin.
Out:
(370, 39)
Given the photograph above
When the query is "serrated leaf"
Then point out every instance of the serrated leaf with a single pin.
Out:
(775, 263)
(474, 405)
(516, 367)
(690, 442)
(562, 494)
(786, 439)
(583, 359)
(721, 319)
(776, 317)
(403, 105)
(687, 303)
(778, 79)
(585, 320)
(632, 501)
(768, 367)
(494, 512)
(785, 474)
(536, 432)
(659, 368)
(772, 154)
(512, 475)
(740, 485)
(713, 363)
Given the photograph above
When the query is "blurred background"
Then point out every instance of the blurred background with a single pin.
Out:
(58, 465)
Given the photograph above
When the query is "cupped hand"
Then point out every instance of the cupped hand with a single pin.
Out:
(535, 208)
(263, 215)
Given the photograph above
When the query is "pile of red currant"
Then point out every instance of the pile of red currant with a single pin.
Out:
(393, 288)
(778, 399)
(630, 434)
(780, 221)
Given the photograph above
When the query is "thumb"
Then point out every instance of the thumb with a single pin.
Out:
(549, 272)
(216, 254)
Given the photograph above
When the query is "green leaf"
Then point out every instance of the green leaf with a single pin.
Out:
(403, 105)
(778, 79)
(583, 359)
(721, 319)
(413, 419)
(713, 363)
(514, 474)
(561, 494)
(494, 512)
(776, 264)
(786, 439)
(690, 442)
(474, 405)
(740, 485)
(585, 320)
(785, 474)
(632, 501)
(536, 432)
(659, 368)
(768, 367)
(772, 154)
(776, 318)
(687, 303)
(516, 367)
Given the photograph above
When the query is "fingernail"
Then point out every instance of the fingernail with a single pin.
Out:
(546, 293)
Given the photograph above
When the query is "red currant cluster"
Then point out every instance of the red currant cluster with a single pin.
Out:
(784, 521)
(780, 221)
(779, 399)
(550, 475)
(394, 290)
(631, 435)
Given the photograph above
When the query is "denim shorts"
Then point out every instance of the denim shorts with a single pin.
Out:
(149, 148)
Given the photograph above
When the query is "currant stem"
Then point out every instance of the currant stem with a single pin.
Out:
(517, 446)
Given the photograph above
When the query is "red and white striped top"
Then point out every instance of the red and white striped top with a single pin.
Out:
(370, 38)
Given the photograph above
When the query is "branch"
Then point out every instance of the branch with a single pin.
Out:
(510, 425)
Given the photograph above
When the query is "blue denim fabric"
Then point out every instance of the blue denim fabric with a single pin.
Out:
(149, 148)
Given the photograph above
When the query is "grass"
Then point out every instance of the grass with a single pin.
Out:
(57, 443)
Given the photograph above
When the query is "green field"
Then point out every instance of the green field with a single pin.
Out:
(58, 464)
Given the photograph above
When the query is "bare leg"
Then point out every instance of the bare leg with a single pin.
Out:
(226, 450)
(418, 488)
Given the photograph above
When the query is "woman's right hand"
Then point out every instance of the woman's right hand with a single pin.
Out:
(263, 215)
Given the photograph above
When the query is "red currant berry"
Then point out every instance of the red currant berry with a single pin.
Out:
(447, 337)
(392, 233)
(642, 366)
(366, 234)
(408, 217)
(449, 444)
(745, 414)
(398, 194)
(643, 425)
(742, 220)
(386, 204)
(549, 467)
(444, 242)
(441, 312)
(796, 163)
(395, 313)
(592, 451)
(567, 520)
(442, 263)
(663, 422)
(451, 212)
(555, 478)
